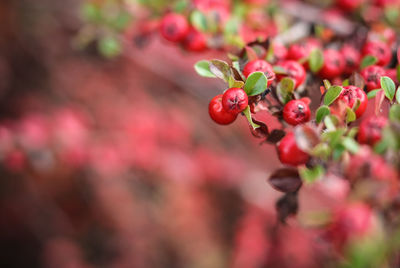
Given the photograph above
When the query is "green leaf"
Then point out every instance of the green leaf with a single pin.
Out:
(332, 94)
(203, 68)
(394, 113)
(309, 175)
(367, 61)
(247, 113)
(330, 122)
(352, 132)
(198, 21)
(279, 70)
(388, 86)
(321, 113)
(316, 60)
(345, 82)
(91, 12)
(398, 95)
(351, 145)
(350, 115)
(109, 47)
(327, 84)
(338, 151)
(255, 84)
(398, 72)
(322, 150)
(372, 93)
(221, 69)
(333, 137)
(234, 83)
(285, 89)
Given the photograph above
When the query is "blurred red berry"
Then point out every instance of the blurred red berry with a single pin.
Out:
(217, 112)
(289, 153)
(174, 27)
(352, 58)
(195, 41)
(234, 100)
(349, 96)
(378, 49)
(349, 5)
(294, 70)
(372, 76)
(333, 64)
(296, 112)
(370, 131)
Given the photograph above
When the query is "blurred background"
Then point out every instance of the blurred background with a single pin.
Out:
(116, 163)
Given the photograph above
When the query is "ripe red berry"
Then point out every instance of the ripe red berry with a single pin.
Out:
(294, 70)
(378, 49)
(349, 5)
(217, 112)
(174, 27)
(351, 58)
(289, 153)
(370, 131)
(280, 52)
(303, 49)
(296, 112)
(333, 64)
(349, 96)
(259, 66)
(234, 100)
(372, 76)
(195, 41)
(392, 73)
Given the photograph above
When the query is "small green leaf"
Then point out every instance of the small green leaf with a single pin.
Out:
(329, 122)
(394, 113)
(198, 20)
(388, 86)
(351, 145)
(220, 69)
(285, 89)
(333, 137)
(321, 113)
(309, 175)
(345, 82)
(316, 60)
(332, 94)
(338, 151)
(398, 71)
(372, 93)
(91, 12)
(350, 115)
(352, 132)
(322, 150)
(109, 47)
(247, 113)
(234, 83)
(367, 61)
(398, 95)
(327, 84)
(203, 68)
(255, 84)
(279, 70)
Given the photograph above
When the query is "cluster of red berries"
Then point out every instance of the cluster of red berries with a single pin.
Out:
(176, 28)
(224, 108)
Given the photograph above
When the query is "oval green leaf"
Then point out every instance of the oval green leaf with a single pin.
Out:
(372, 93)
(316, 60)
(221, 69)
(321, 113)
(332, 94)
(388, 86)
(255, 84)
(367, 61)
(203, 68)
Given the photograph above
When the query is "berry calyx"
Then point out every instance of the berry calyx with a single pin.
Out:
(195, 41)
(333, 64)
(296, 112)
(235, 100)
(372, 76)
(378, 49)
(370, 131)
(349, 96)
(259, 66)
(289, 153)
(217, 112)
(294, 70)
(174, 27)
(351, 58)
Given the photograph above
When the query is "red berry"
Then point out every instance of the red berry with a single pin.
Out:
(370, 131)
(378, 49)
(303, 49)
(235, 100)
(259, 66)
(349, 96)
(392, 73)
(217, 112)
(351, 58)
(280, 51)
(372, 76)
(174, 27)
(293, 70)
(333, 64)
(195, 41)
(296, 112)
(349, 5)
(289, 153)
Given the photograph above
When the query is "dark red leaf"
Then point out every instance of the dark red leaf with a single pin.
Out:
(286, 180)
